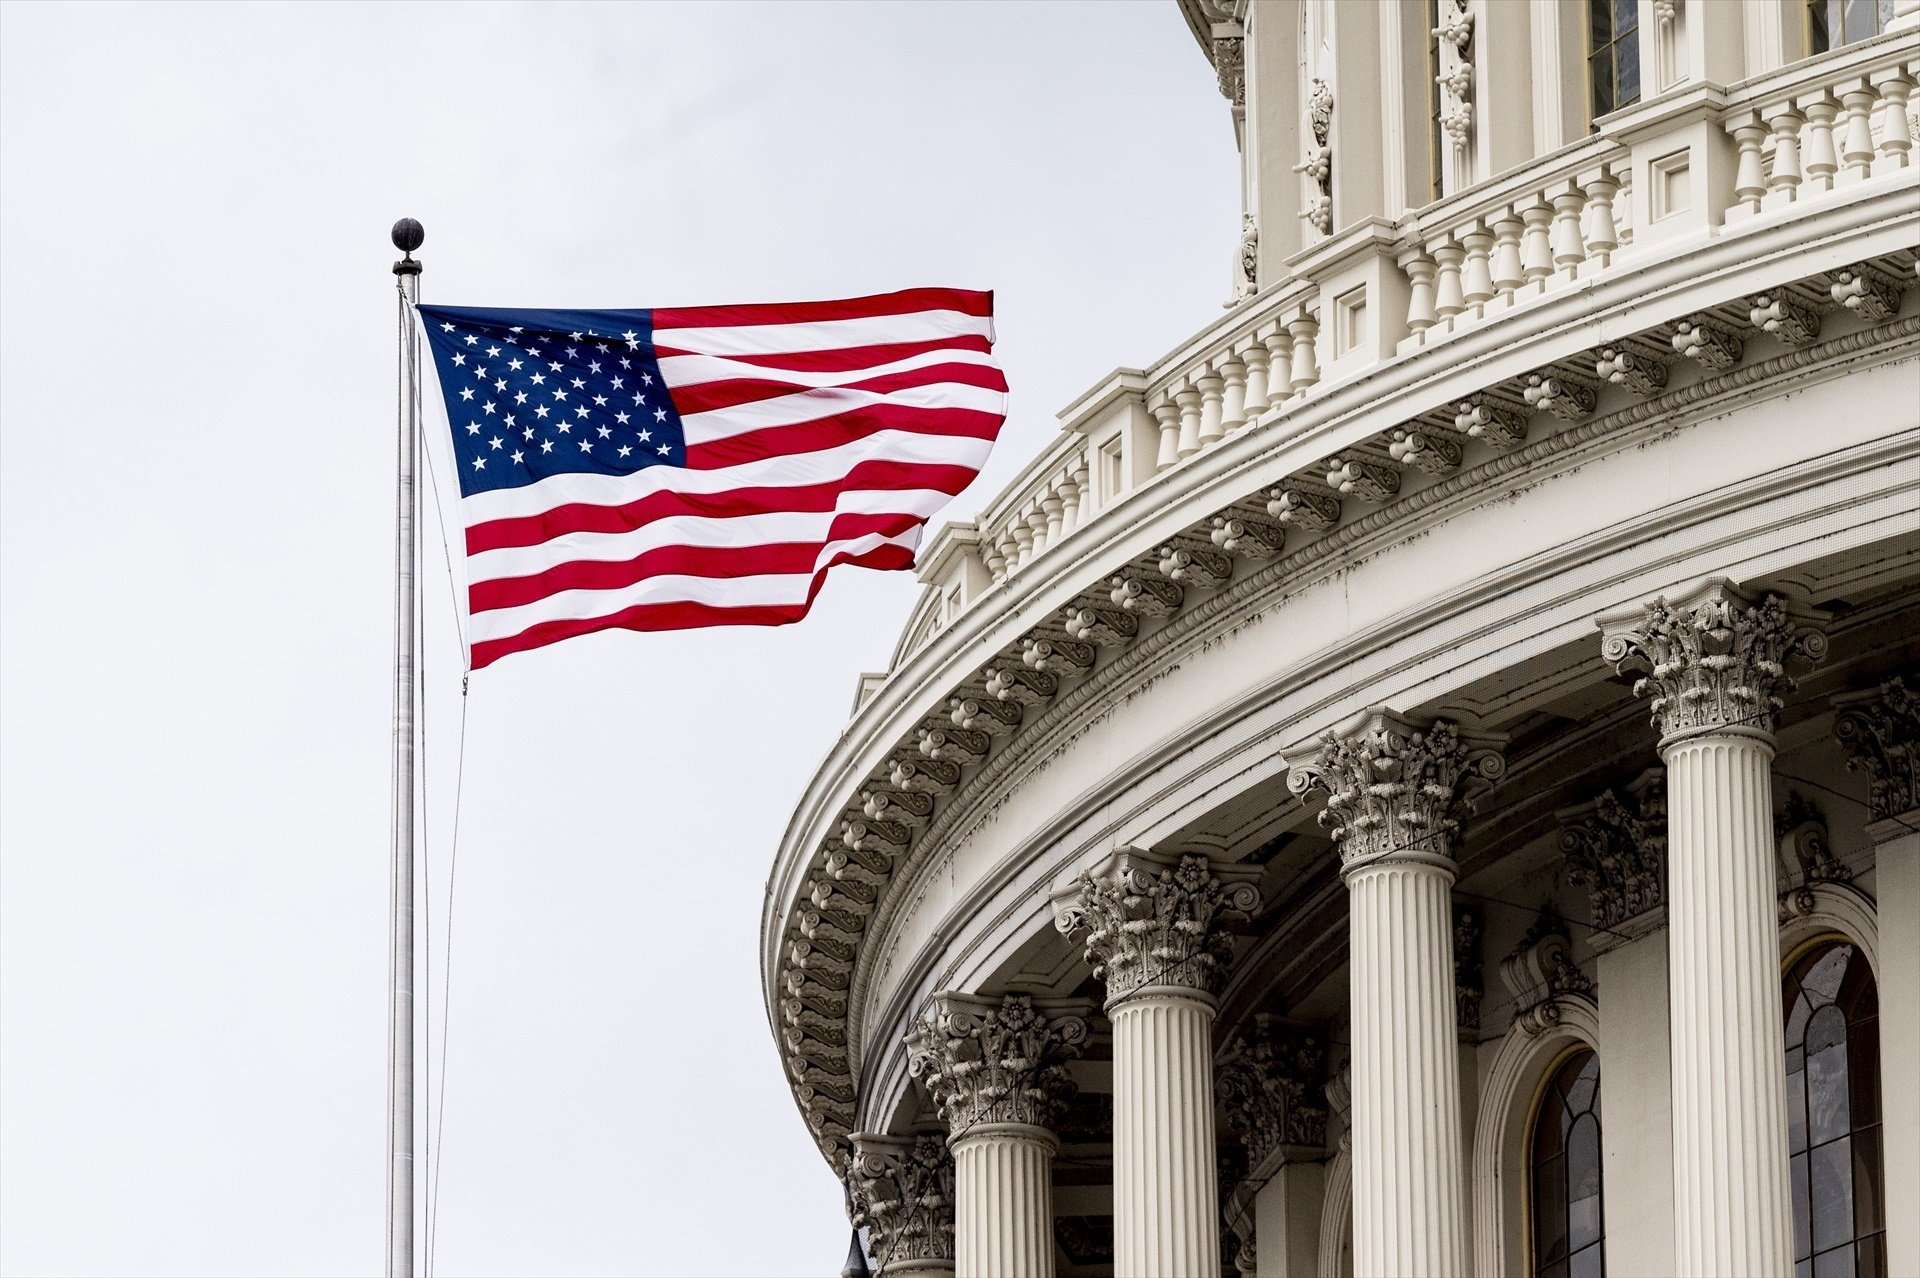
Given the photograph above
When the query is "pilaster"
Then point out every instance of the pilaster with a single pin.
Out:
(995, 1071)
(1713, 663)
(1155, 933)
(1397, 791)
(1880, 731)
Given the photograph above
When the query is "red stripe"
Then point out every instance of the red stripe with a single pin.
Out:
(905, 302)
(868, 476)
(777, 559)
(841, 428)
(844, 358)
(705, 397)
(684, 616)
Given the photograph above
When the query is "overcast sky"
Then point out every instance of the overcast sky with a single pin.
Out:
(196, 365)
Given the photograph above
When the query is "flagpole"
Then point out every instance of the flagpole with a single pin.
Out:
(407, 236)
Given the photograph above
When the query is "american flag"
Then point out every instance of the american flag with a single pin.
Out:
(703, 466)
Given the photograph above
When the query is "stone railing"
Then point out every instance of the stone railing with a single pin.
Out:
(1688, 166)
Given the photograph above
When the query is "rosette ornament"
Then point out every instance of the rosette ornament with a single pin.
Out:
(1713, 660)
(1398, 789)
(1153, 921)
(987, 1060)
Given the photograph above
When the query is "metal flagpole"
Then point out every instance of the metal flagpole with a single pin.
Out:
(407, 236)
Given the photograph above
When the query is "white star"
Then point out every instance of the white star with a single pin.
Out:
(546, 445)
(594, 367)
(600, 401)
(495, 442)
(626, 363)
(618, 382)
(604, 432)
(573, 350)
(580, 411)
(518, 457)
(501, 384)
(513, 365)
(647, 378)
(556, 365)
(509, 419)
(574, 336)
(478, 371)
(459, 358)
(528, 432)
(488, 408)
(624, 450)
(492, 351)
(645, 435)
(663, 450)
(466, 392)
(479, 463)
(639, 399)
(473, 428)
(516, 329)
(659, 414)
(540, 410)
(578, 383)
(630, 335)
(621, 418)
(558, 393)
(566, 428)
(446, 328)
(472, 339)
(586, 445)
(539, 379)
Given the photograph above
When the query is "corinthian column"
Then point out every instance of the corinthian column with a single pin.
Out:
(1154, 935)
(901, 1188)
(1396, 793)
(994, 1070)
(1714, 665)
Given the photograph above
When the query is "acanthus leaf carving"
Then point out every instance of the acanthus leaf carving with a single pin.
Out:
(901, 1191)
(1490, 422)
(1616, 848)
(1469, 981)
(1247, 537)
(1542, 975)
(986, 1060)
(1567, 397)
(1880, 732)
(1430, 450)
(1866, 291)
(1271, 1081)
(1784, 316)
(1806, 854)
(1058, 656)
(1303, 507)
(1150, 920)
(1397, 788)
(1638, 372)
(1706, 343)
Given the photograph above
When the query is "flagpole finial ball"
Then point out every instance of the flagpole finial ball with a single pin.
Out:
(408, 235)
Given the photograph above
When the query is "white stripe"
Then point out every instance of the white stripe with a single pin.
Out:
(722, 592)
(775, 528)
(812, 405)
(694, 370)
(823, 335)
(795, 471)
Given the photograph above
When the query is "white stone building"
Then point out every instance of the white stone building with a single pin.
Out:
(1422, 778)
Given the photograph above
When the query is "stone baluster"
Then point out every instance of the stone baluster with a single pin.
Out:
(1602, 235)
(1254, 357)
(1476, 276)
(1189, 399)
(1448, 300)
(1508, 274)
(1083, 483)
(1053, 509)
(994, 1069)
(1569, 245)
(1419, 267)
(1536, 242)
(1069, 490)
(901, 1192)
(1212, 394)
(995, 558)
(1167, 417)
(1750, 173)
(1022, 542)
(1896, 131)
(1856, 146)
(1784, 122)
(1037, 521)
(1303, 328)
(1279, 344)
(1397, 792)
(1713, 663)
(1154, 935)
(1821, 161)
(1879, 729)
(1233, 402)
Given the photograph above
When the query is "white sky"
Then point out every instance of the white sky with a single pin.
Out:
(195, 519)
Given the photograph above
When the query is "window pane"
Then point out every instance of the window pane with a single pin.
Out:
(1550, 1210)
(1860, 20)
(1837, 1263)
(1796, 1108)
(1797, 1013)
(1580, 1094)
(1830, 1169)
(1600, 73)
(1870, 1257)
(1588, 1263)
(1802, 1203)
(1863, 1072)
(1599, 24)
(1626, 16)
(1822, 980)
(1828, 1111)
(1627, 57)
(1817, 26)
(1866, 1183)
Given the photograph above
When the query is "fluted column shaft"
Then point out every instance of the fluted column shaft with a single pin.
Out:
(1407, 1205)
(1731, 1203)
(1166, 1197)
(1003, 1226)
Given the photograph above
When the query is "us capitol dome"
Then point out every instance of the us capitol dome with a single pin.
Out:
(1421, 779)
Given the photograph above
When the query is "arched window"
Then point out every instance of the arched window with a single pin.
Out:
(1565, 1199)
(1832, 23)
(1613, 55)
(1833, 1113)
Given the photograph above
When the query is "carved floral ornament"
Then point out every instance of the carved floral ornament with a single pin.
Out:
(986, 1060)
(1152, 921)
(1271, 1081)
(1616, 848)
(1714, 659)
(1880, 732)
(1542, 976)
(901, 1192)
(1397, 789)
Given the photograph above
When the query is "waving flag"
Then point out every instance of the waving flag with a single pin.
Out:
(703, 466)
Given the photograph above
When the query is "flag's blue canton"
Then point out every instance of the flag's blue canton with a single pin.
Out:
(538, 393)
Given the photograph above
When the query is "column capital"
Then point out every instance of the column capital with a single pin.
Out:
(1154, 921)
(1616, 848)
(1713, 659)
(901, 1190)
(996, 1060)
(1271, 1080)
(1398, 788)
(1880, 731)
